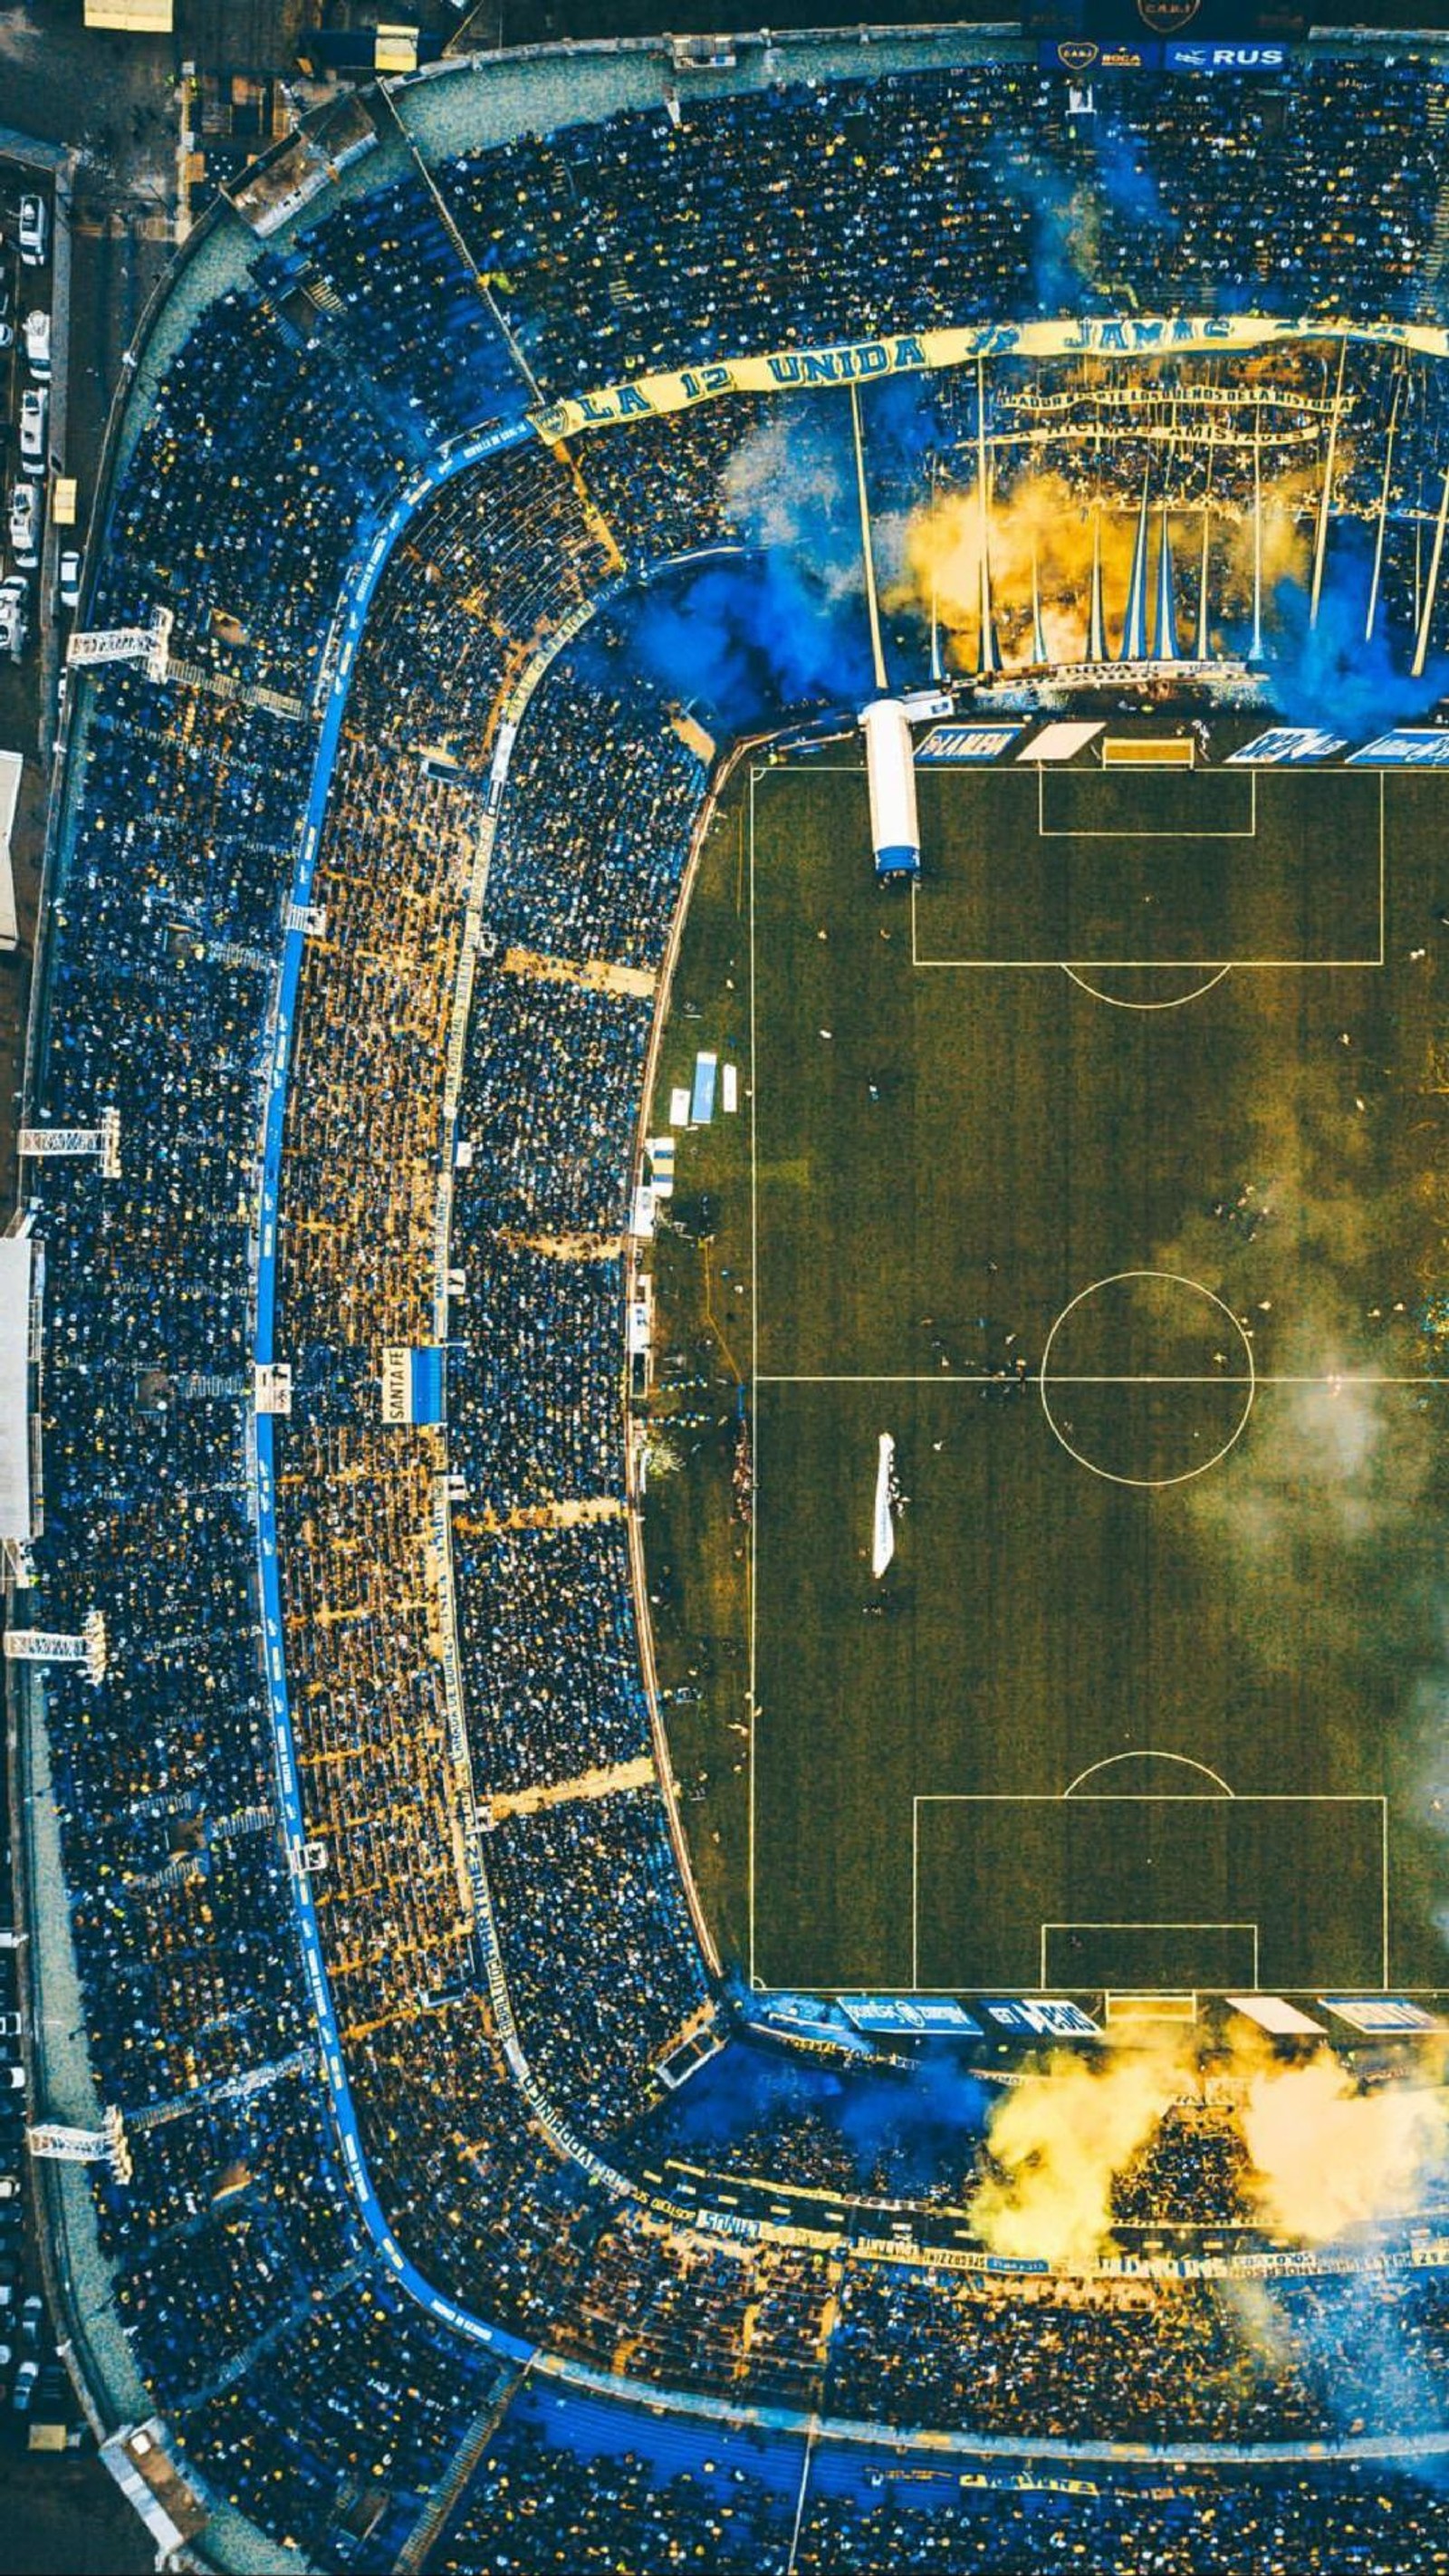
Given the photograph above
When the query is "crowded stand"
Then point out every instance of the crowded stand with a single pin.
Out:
(344, 2418)
(596, 826)
(539, 1718)
(386, 263)
(961, 195)
(558, 2489)
(503, 1925)
(553, 1432)
(372, 1735)
(548, 1105)
(391, 884)
(248, 563)
(593, 2026)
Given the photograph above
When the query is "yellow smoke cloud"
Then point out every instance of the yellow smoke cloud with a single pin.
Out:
(1040, 518)
(1040, 515)
(1323, 2157)
(1059, 2140)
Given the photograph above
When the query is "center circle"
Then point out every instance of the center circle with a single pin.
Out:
(1147, 1378)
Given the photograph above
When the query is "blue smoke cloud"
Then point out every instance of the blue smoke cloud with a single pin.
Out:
(1060, 275)
(902, 421)
(1327, 674)
(916, 2122)
(1128, 186)
(790, 489)
(751, 641)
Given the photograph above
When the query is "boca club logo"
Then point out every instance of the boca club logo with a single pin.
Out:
(1167, 17)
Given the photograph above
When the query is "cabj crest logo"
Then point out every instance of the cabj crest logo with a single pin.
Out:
(1167, 17)
(1077, 54)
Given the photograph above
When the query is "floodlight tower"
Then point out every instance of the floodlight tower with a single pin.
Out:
(1202, 651)
(1325, 499)
(1096, 622)
(1373, 597)
(1255, 648)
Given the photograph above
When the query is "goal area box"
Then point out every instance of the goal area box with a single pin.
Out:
(1100, 1891)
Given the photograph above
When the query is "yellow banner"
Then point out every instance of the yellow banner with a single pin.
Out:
(1129, 335)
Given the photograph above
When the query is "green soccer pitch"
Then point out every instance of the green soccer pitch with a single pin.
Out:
(1108, 1173)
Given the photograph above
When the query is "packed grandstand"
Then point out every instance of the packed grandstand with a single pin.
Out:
(403, 2263)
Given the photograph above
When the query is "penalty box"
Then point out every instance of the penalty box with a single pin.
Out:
(1215, 1894)
(1139, 868)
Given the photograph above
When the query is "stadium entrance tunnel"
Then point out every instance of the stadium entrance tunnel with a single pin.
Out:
(1147, 1378)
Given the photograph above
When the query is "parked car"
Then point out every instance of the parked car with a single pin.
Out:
(52, 2393)
(25, 525)
(7, 2355)
(6, 335)
(9, 2025)
(37, 344)
(12, 2079)
(32, 2318)
(34, 419)
(34, 228)
(24, 2388)
(69, 582)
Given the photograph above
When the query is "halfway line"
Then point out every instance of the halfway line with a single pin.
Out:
(997, 1377)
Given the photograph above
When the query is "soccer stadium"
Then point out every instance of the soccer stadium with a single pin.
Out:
(729, 1326)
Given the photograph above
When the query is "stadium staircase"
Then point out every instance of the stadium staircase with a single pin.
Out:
(1437, 113)
(311, 316)
(217, 684)
(444, 2498)
(231, 2373)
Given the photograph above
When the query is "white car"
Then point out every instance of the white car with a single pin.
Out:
(12, 2079)
(34, 416)
(25, 525)
(12, 631)
(68, 582)
(6, 335)
(32, 231)
(37, 344)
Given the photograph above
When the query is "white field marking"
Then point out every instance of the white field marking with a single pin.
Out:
(1117, 1002)
(1255, 1988)
(1260, 1379)
(1148, 1753)
(1173, 1279)
(1052, 832)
